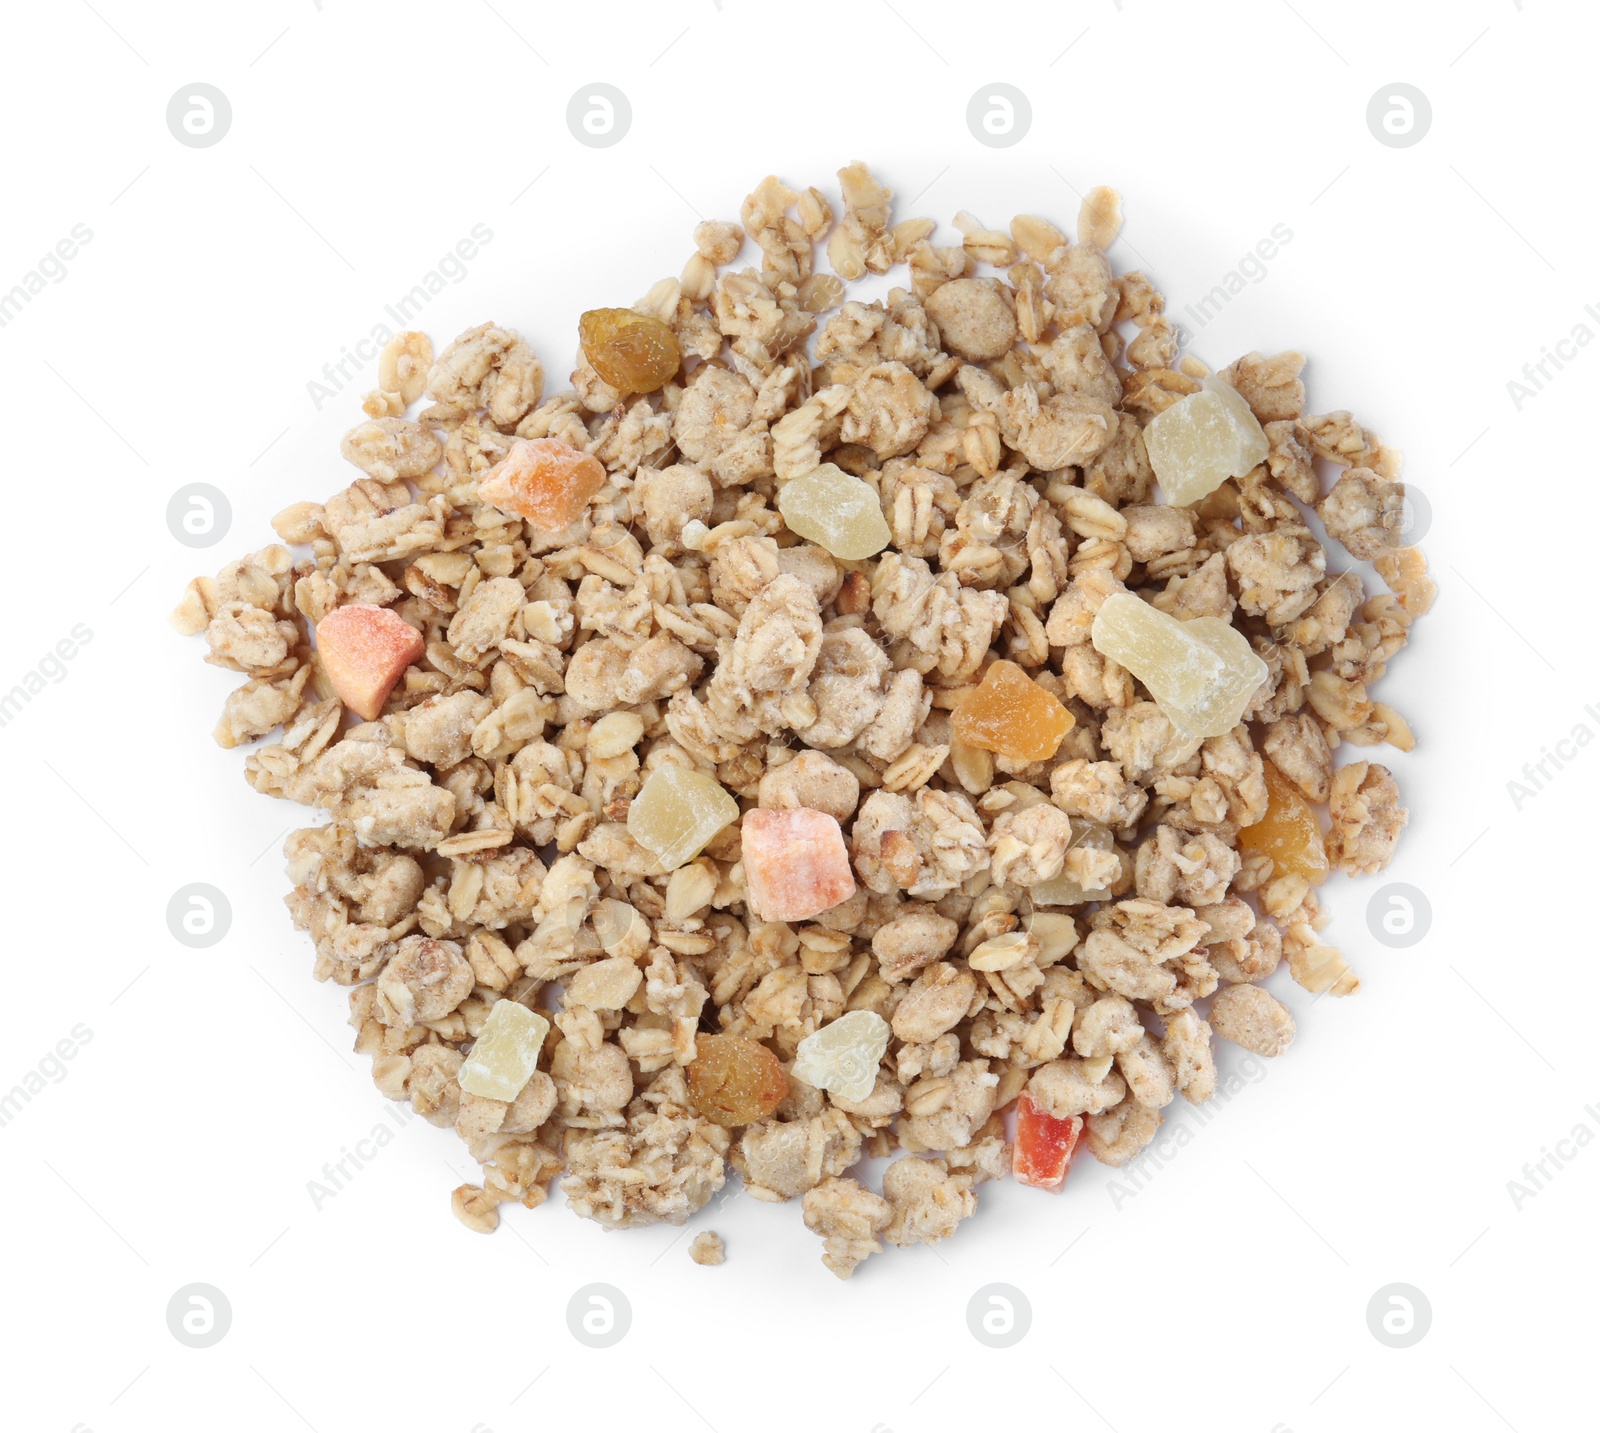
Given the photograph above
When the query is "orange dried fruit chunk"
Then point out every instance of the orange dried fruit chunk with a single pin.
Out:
(364, 650)
(734, 1080)
(1289, 832)
(1010, 713)
(634, 352)
(544, 480)
(1044, 1145)
(796, 864)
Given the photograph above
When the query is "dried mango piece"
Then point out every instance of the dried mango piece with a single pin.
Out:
(734, 1080)
(1201, 441)
(633, 352)
(677, 811)
(1201, 673)
(1289, 832)
(836, 511)
(842, 1057)
(544, 480)
(796, 864)
(1010, 713)
(364, 650)
(506, 1052)
(1043, 1146)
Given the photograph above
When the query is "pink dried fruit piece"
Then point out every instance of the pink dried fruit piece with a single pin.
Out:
(544, 480)
(795, 863)
(364, 651)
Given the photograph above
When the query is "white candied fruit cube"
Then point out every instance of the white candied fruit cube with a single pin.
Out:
(506, 1052)
(842, 1057)
(1201, 673)
(1201, 441)
(836, 511)
(677, 811)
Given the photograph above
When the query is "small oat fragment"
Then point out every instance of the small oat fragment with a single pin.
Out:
(1248, 1016)
(1011, 714)
(796, 865)
(707, 1247)
(364, 650)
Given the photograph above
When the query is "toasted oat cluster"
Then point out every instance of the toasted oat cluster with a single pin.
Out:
(745, 715)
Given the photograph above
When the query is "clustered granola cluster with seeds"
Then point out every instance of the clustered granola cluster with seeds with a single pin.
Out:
(478, 848)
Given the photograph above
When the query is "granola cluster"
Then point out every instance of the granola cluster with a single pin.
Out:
(1078, 928)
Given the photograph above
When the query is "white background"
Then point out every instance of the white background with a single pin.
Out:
(1231, 1292)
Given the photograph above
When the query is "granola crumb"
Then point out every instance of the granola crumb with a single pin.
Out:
(707, 1247)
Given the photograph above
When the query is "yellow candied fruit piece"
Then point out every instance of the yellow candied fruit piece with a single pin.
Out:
(836, 511)
(677, 811)
(633, 352)
(1201, 673)
(1289, 832)
(842, 1057)
(1201, 441)
(1011, 714)
(506, 1052)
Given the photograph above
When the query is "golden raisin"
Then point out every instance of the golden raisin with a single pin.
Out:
(1010, 713)
(734, 1080)
(1289, 832)
(633, 352)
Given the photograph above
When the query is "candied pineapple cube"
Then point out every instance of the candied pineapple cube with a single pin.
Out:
(1201, 673)
(1289, 832)
(842, 1057)
(544, 480)
(836, 511)
(1010, 713)
(795, 863)
(677, 811)
(1201, 441)
(506, 1052)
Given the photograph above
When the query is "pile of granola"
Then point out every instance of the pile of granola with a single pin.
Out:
(479, 849)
